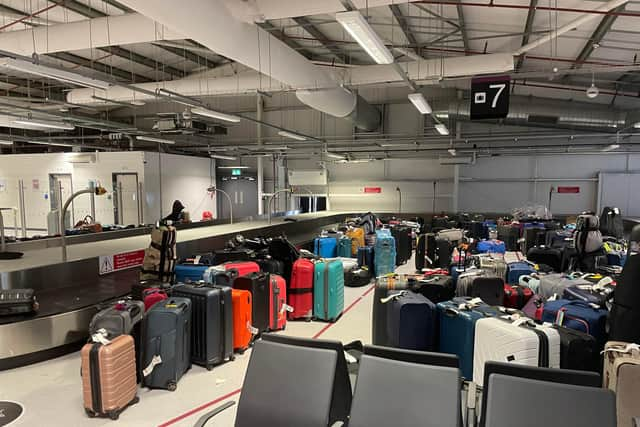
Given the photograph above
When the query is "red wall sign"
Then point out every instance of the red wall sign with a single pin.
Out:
(568, 190)
(372, 189)
(110, 263)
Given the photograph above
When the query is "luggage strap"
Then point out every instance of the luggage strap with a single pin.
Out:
(627, 349)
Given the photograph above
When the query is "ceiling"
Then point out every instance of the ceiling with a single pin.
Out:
(127, 44)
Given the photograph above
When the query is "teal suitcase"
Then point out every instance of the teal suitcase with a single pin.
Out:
(328, 290)
(344, 247)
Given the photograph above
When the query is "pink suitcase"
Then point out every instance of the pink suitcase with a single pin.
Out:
(277, 303)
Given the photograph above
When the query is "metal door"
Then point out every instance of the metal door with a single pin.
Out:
(67, 190)
(125, 198)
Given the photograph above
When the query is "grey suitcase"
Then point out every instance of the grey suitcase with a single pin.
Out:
(166, 343)
(555, 284)
(119, 319)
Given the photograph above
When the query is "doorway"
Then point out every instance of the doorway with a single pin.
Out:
(66, 182)
(125, 201)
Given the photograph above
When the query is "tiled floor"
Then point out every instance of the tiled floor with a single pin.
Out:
(51, 391)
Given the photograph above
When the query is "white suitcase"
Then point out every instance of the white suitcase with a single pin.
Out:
(505, 339)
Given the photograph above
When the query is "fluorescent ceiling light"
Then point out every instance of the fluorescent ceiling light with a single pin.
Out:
(418, 100)
(233, 167)
(52, 73)
(452, 151)
(2, 142)
(137, 103)
(611, 147)
(335, 155)
(56, 144)
(636, 125)
(45, 124)
(442, 129)
(292, 135)
(221, 157)
(215, 115)
(113, 101)
(151, 139)
(358, 27)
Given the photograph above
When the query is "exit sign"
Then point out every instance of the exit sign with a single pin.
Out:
(236, 172)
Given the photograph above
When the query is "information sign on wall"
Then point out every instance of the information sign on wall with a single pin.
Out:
(117, 262)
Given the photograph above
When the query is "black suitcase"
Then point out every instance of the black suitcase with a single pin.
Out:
(488, 289)
(207, 258)
(411, 322)
(281, 249)
(228, 255)
(226, 278)
(271, 266)
(211, 323)
(17, 301)
(258, 285)
(366, 258)
(548, 256)
(437, 288)
(444, 248)
(476, 229)
(357, 277)
(509, 235)
(533, 236)
(166, 343)
(402, 236)
(578, 350)
(425, 251)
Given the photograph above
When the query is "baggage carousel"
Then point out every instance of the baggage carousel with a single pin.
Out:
(70, 293)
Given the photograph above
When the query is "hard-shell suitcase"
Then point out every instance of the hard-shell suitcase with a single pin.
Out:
(549, 256)
(221, 278)
(188, 273)
(488, 289)
(119, 319)
(411, 322)
(166, 343)
(325, 247)
(17, 301)
(516, 296)
(277, 303)
(531, 281)
(491, 246)
(271, 266)
(242, 325)
(457, 319)
(436, 288)
(109, 377)
(300, 292)
(578, 351)
(578, 315)
(516, 341)
(533, 308)
(425, 251)
(464, 279)
(211, 323)
(384, 287)
(366, 258)
(622, 376)
(328, 290)
(243, 267)
(384, 253)
(357, 239)
(344, 247)
(444, 248)
(259, 286)
(517, 269)
(534, 235)
(494, 266)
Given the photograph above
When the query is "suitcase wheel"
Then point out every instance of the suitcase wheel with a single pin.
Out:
(135, 400)
(114, 415)
(172, 386)
(90, 413)
(241, 351)
(209, 367)
(233, 357)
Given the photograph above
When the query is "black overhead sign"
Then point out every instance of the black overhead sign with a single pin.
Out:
(490, 97)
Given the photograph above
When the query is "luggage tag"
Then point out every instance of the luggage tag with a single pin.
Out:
(156, 360)
(287, 308)
(393, 297)
(196, 260)
(252, 329)
(101, 337)
(560, 317)
(475, 302)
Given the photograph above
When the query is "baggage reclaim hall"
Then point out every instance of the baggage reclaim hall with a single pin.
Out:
(320, 213)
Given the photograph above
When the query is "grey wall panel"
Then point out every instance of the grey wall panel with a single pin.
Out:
(586, 166)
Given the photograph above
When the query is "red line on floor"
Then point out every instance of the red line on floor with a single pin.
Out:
(234, 392)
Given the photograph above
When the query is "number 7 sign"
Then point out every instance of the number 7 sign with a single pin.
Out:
(489, 97)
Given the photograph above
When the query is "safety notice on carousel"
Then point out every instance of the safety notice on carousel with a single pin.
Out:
(117, 262)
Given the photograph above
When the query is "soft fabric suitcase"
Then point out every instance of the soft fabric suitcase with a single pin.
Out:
(555, 284)
(517, 269)
(589, 294)
(300, 292)
(444, 248)
(277, 303)
(242, 324)
(457, 320)
(211, 323)
(578, 350)
(534, 235)
(531, 281)
(509, 234)
(366, 258)
(325, 247)
(358, 277)
(515, 341)
(259, 286)
(161, 255)
(151, 296)
(166, 343)
(425, 251)
(357, 239)
(109, 377)
(411, 322)
(548, 256)
(491, 246)
(516, 296)
(622, 376)
(533, 308)
(328, 290)
(436, 288)
(488, 289)
(17, 301)
(577, 315)
(384, 253)
(475, 229)
(188, 273)
(344, 247)
(453, 235)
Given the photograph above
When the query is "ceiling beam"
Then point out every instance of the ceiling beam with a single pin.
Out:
(597, 36)
(404, 27)
(280, 35)
(437, 16)
(143, 60)
(463, 30)
(322, 39)
(99, 66)
(185, 53)
(528, 28)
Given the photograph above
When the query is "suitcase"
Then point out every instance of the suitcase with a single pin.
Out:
(530, 281)
(243, 268)
(465, 278)
(425, 251)
(622, 376)
(444, 248)
(357, 239)
(188, 273)
(300, 292)
(358, 277)
(436, 288)
(206, 258)
(457, 319)
(271, 266)
(509, 234)
(488, 289)
(516, 296)
(109, 377)
(160, 257)
(491, 246)
(138, 288)
(277, 303)
(533, 234)
(493, 266)
(475, 229)
(328, 290)
(411, 322)
(151, 296)
(17, 301)
(520, 341)
(211, 323)
(589, 294)
(242, 324)
(119, 319)
(383, 287)
(166, 343)
(577, 315)
(578, 351)
(533, 308)
(517, 269)
(555, 284)
(384, 253)
(259, 286)
(325, 247)
(366, 258)
(232, 255)
(548, 256)
(221, 278)
(402, 236)
(344, 247)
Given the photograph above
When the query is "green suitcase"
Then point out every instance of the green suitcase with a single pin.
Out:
(328, 290)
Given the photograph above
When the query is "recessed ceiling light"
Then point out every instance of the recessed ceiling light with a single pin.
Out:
(358, 27)
(442, 129)
(152, 139)
(292, 135)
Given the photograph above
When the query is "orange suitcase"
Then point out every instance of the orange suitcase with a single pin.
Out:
(109, 377)
(242, 305)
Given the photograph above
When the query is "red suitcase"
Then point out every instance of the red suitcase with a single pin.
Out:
(150, 296)
(243, 267)
(278, 303)
(516, 296)
(301, 290)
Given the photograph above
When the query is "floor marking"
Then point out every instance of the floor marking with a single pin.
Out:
(237, 391)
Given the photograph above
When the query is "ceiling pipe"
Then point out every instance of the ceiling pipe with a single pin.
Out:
(596, 11)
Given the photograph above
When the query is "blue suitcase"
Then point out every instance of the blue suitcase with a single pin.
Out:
(328, 290)
(344, 247)
(491, 246)
(411, 322)
(457, 320)
(517, 269)
(578, 315)
(365, 258)
(325, 247)
(385, 253)
(188, 273)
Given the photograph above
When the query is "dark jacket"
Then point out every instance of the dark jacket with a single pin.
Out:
(176, 214)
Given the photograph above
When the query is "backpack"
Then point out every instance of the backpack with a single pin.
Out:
(587, 238)
(160, 257)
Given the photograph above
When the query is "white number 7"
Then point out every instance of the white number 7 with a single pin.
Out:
(500, 88)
